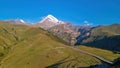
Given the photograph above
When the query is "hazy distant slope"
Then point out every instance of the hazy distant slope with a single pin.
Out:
(107, 37)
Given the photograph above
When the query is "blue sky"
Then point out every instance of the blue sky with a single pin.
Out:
(78, 12)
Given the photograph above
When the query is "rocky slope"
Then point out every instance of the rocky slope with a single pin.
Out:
(66, 31)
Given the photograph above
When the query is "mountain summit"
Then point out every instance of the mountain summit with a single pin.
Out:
(49, 21)
(16, 21)
(50, 18)
(59, 28)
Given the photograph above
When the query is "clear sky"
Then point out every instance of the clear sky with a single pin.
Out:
(75, 11)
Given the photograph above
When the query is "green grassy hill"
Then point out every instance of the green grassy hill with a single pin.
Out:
(106, 37)
(22, 46)
(108, 55)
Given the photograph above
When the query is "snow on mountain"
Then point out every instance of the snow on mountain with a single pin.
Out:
(22, 21)
(49, 21)
(50, 18)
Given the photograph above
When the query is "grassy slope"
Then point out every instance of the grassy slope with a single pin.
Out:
(29, 47)
(109, 55)
(8, 38)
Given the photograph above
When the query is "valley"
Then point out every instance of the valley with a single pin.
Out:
(57, 44)
(59, 33)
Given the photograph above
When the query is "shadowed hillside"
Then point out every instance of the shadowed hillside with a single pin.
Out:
(111, 43)
(106, 37)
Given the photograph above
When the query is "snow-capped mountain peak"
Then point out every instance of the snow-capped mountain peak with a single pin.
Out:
(50, 18)
(49, 21)
(21, 20)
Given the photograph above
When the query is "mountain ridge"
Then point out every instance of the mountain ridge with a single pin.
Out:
(49, 22)
(25, 46)
(76, 35)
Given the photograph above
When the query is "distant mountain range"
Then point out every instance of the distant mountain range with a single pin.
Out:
(107, 37)
(16, 21)
(52, 43)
